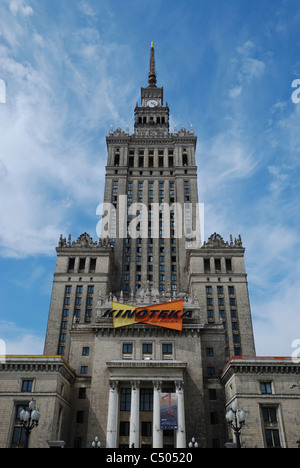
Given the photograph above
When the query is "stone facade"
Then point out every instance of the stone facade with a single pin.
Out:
(46, 379)
(264, 389)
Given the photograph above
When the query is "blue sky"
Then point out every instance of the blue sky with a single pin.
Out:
(74, 67)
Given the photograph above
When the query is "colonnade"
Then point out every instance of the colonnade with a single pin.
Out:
(134, 434)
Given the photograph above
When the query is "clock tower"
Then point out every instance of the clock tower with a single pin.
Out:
(152, 115)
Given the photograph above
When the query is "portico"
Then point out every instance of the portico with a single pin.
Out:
(134, 395)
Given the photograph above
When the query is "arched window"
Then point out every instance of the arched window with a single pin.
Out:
(184, 160)
(158, 120)
(117, 159)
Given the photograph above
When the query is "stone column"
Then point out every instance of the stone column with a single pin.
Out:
(113, 415)
(134, 436)
(157, 432)
(180, 434)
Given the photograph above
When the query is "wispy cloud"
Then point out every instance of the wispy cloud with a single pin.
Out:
(49, 129)
(246, 67)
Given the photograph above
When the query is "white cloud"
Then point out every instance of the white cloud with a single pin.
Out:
(235, 92)
(20, 341)
(245, 67)
(18, 6)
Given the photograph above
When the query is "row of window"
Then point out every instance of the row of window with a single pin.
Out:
(141, 160)
(82, 265)
(147, 350)
(151, 192)
(217, 264)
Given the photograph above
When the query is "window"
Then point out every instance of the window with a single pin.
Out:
(71, 265)
(208, 290)
(124, 428)
(228, 265)
(85, 351)
(207, 265)
(127, 348)
(79, 290)
(209, 352)
(19, 436)
(230, 290)
(82, 393)
(84, 370)
(147, 348)
(270, 419)
(272, 438)
(80, 417)
(212, 392)
(89, 301)
(81, 265)
(146, 429)
(266, 388)
(214, 418)
(210, 371)
(68, 289)
(217, 264)
(146, 399)
(61, 351)
(90, 289)
(167, 349)
(27, 386)
(269, 414)
(125, 403)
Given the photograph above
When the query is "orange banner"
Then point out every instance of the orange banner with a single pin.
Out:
(167, 315)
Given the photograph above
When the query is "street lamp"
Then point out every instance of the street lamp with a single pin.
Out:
(96, 443)
(193, 443)
(29, 418)
(236, 420)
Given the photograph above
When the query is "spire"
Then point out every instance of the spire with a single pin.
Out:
(152, 73)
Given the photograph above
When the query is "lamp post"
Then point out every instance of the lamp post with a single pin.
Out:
(236, 420)
(193, 443)
(29, 418)
(96, 443)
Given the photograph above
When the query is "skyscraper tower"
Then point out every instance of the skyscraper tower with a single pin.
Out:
(154, 172)
(149, 263)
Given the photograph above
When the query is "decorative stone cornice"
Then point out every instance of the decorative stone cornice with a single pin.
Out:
(215, 241)
(84, 241)
(33, 364)
(260, 365)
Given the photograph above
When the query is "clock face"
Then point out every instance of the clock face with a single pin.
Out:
(152, 103)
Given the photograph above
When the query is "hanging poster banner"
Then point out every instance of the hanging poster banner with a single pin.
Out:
(168, 411)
